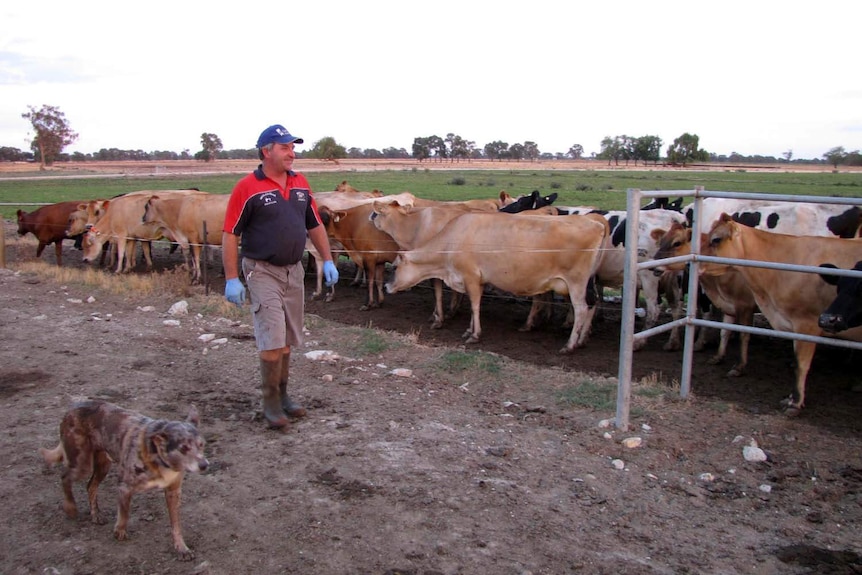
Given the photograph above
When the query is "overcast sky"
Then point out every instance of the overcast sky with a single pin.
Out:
(754, 77)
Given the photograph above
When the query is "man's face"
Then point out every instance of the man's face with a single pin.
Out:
(282, 156)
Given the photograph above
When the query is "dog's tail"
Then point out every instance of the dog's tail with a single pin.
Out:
(52, 456)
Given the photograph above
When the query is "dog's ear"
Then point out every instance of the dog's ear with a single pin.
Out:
(193, 417)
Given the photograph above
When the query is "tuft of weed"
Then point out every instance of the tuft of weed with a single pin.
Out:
(590, 393)
(460, 361)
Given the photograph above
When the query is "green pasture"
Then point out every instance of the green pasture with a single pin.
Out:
(605, 189)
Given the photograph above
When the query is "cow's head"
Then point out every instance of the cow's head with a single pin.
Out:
(845, 311)
(722, 241)
(92, 243)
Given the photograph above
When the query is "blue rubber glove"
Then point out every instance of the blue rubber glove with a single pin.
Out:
(330, 273)
(234, 291)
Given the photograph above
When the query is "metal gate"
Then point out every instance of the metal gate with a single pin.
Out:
(690, 321)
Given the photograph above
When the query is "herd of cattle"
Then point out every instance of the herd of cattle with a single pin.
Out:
(527, 246)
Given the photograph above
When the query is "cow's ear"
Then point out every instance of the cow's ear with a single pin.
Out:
(829, 278)
(657, 234)
(338, 215)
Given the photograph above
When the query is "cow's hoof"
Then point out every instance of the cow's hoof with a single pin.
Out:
(736, 371)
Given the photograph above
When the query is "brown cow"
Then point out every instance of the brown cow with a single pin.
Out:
(365, 244)
(791, 301)
(184, 216)
(48, 224)
(525, 255)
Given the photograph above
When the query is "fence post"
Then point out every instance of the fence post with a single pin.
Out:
(627, 327)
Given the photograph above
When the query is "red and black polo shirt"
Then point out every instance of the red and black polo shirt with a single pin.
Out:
(272, 221)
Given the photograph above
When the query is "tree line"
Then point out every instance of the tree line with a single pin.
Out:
(53, 134)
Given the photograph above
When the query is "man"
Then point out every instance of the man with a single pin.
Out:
(273, 209)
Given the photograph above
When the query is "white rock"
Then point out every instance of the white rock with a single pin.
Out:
(74, 300)
(708, 477)
(171, 322)
(751, 453)
(321, 355)
(766, 488)
(206, 337)
(91, 299)
(640, 312)
(220, 341)
(605, 423)
(646, 427)
(206, 350)
(607, 435)
(381, 365)
(41, 317)
(402, 372)
(326, 377)
(179, 308)
(618, 464)
(632, 442)
(146, 308)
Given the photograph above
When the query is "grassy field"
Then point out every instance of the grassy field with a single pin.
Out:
(599, 188)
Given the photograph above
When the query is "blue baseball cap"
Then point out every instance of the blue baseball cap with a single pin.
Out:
(277, 134)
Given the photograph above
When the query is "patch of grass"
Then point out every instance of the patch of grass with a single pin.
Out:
(457, 181)
(367, 341)
(461, 361)
(591, 394)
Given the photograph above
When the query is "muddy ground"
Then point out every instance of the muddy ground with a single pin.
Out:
(474, 463)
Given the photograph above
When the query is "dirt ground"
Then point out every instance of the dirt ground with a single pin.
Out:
(470, 463)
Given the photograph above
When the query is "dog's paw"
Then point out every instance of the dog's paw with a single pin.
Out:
(120, 535)
(185, 553)
(97, 518)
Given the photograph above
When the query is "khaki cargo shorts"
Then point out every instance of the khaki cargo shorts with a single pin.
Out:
(277, 302)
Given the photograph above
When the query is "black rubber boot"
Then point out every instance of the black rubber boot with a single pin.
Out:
(291, 408)
(270, 377)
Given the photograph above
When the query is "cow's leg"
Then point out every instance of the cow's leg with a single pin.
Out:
(540, 311)
(454, 304)
(122, 245)
(379, 272)
(804, 354)
(474, 292)
(724, 339)
(196, 263)
(650, 285)
(675, 300)
(147, 249)
(58, 252)
(437, 316)
(583, 316)
(40, 248)
(743, 317)
(370, 273)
